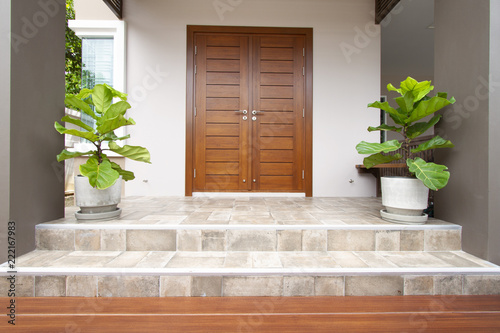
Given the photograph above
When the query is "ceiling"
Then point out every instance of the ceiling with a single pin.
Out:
(407, 41)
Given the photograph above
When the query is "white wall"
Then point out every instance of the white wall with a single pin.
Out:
(93, 10)
(346, 78)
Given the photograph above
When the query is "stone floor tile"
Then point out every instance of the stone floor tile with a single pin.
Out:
(298, 286)
(55, 239)
(443, 240)
(448, 285)
(50, 286)
(252, 286)
(314, 240)
(454, 260)
(347, 259)
(113, 240)
(155, 259)
(386, 240)
(238, 260)
(307, 260)
(197, 260)
(415, 259)
(127, 259)
(266, 260)
(254, 240)
(175, 286)
(374, 285)
(482, 285)
(289, 240)
(412, 240)
(189, 240)
(375, 259)
(21, 286)
(418, 285)
(351, 240)
(43, 259)
(206, 286)
(81, 286)
(213, 240)
(151, 240)
(329, 286)
(128, 286)
(88, 240)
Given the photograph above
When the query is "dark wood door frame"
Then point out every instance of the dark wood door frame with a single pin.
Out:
(190, 93)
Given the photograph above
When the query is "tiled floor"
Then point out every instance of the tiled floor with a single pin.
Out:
(250, 246)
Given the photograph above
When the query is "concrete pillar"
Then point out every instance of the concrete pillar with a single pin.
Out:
(466, 53)
(32, 184)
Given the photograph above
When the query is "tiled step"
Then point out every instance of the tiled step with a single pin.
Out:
(337, 273)
(119, 236)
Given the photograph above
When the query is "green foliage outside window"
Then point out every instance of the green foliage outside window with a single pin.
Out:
(73, 69)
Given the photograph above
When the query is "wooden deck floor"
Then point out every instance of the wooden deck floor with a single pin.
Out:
(255, 314)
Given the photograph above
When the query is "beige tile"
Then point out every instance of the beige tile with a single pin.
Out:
(329, 286)
(81, 286)
(238, 260)
(443, 240)
(87, 240)
(307, 260)
(151, 240)
(374, 285)
(213, 240)
(113, 240)
(189, 240)
(253, 286)
(197, 260)
(44, 258)
(209, 286)
(251, 240)
(347, 259)
(375, 260)
(18, 286)
(128, 286)
(289, 240)
(351, 240)
(298, 286)
(482, 285)
(55, 239)
(387, 240)
(314, 240)
(448, 285)
(175, 286)
(419, 285)
(155, 259)
(412, 240)
(266, 260)
(414, 259)
(127, 259)
(50, 286)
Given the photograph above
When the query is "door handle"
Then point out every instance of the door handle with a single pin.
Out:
(242, 111)
(254, 112)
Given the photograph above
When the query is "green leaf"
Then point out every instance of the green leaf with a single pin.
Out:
(126, 175)
(78, 104)
(100, 175)
(109, 125)
(395, 115)
(116, 93)
(428, 107)
(372, 148)
(420, 128)
(405, 103)
(102, 98)
(418, 89)
(379, 158)
(86, 135)
(434, 176)
(116, 109)
(384, 127)
(434, 143)
(111, 136)
(84, 93)
(135, 153)
(77, 122)
(64, 155)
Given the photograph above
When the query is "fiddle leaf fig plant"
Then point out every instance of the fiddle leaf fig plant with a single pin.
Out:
(108, 116)
(414, 105)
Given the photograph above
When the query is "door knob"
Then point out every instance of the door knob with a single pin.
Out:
(254, 118)
(245, 117)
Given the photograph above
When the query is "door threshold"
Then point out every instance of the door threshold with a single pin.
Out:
(249, 194)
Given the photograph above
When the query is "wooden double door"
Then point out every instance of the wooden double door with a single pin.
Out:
(249, 112)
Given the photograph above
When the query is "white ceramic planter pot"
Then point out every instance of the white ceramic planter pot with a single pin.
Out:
(404, 200)
(97, 204)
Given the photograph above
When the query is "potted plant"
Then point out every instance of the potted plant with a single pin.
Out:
(406, 197)
(99, 193)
